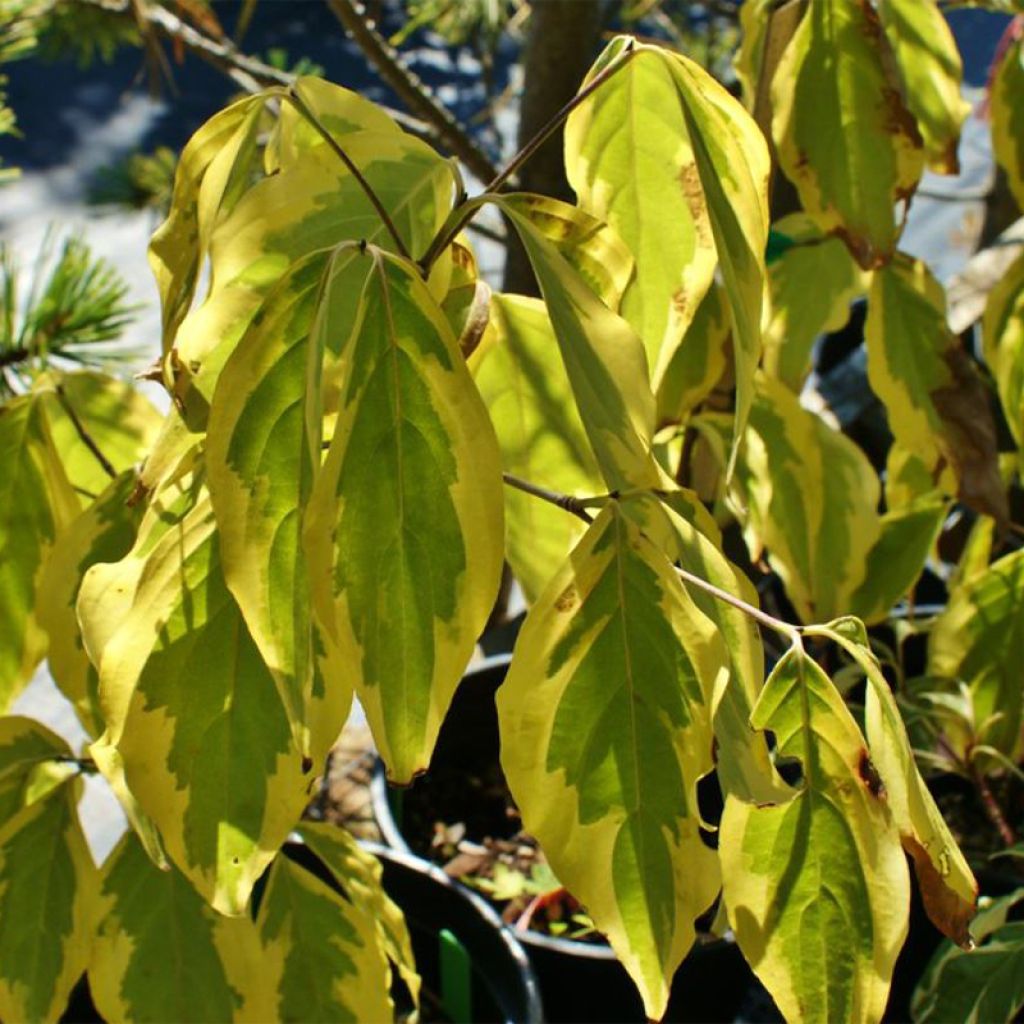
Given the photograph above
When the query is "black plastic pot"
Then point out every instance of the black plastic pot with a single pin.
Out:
(472, 967)
(580, 981)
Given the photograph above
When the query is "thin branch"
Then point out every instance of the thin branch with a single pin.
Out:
(577, 507)
(412, 92)
(249, 73)
(293, 97)
(462, 214)
(992, 808)
(83, 434)
(563, 501)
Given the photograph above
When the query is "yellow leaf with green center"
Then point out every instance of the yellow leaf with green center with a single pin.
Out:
(404, 529)
(33, 761)
(117, 418)
(47, 895)
(1003, 336)
(699, 362)
(360, 874)
(1008, 118)
(263, 453)
(810, 497)
(817, 887)
(680, 170)
(800, 312)
(524, 385)
(36, 503)
(103, 532)
(755, 18)
(207, 747)
(322, 948)
(602, 355)
(161, 952)
(935, 401)
(947, 885)
(212, 171)
(605, 728)
(314, 205)
(844, 135)
(978, 639)
(931, 71)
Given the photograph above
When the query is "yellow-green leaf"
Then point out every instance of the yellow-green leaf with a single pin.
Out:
(700, 360)
(103, 532)
(603, 357)
(1003, 336)
(47, 895)
(630, 160)
(314, 205)
(212, 172)
(810, 496)
(321, 949)
(605, 725)
(817, 887)
(117, 418)
(542, 440)
(844, 135)
(207, 747)
(36, 503)
(978, 639)
(931, 71)
(404, 529)
(812, 285)
(1008, 117)
(161, 953)
(936, 404)
(947, 885)
(33, 760)
(359, 873)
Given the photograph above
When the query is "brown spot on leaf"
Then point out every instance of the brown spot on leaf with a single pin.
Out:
(567, 599)
(946, 909)
(680, 302)
(477, 318)
(969, 436)
(870, 777)
(693, 193)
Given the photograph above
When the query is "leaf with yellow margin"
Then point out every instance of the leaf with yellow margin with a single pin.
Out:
(605, 729)
(932, 72)
(947, 885)
(524, 385)
(817, 887)
(1003, 337)
(1008, 117)
(404, 528)
(843, 132)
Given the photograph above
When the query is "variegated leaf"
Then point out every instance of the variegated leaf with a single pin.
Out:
(844, 135)
(47, 895)
(931, 71)
(603, 357)
(605, 726)
(524, 385)
(937, 406)
(810, 496)
(817, 887)
(947, 885)
(321, 950)
(404, 529)
(207, 747)
(1008, 117)
(978, 639)
(161, 953)
(1003, 336)
(36, 503)
(798, 312)
(103, 532)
